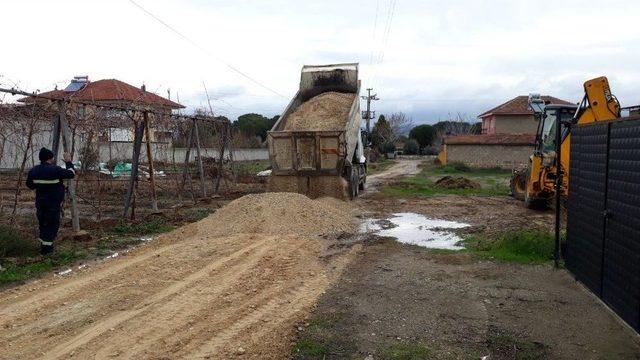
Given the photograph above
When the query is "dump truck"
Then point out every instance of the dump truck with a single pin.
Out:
(316, 146)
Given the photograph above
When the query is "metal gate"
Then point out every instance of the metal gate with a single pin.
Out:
(603, 219)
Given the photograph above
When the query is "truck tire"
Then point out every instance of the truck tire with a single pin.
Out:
(353, 183)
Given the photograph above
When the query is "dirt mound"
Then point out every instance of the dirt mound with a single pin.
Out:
(458, 182)
(327, 111)
(279, 214)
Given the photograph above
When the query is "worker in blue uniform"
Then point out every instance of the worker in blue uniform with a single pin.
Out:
(47, 180)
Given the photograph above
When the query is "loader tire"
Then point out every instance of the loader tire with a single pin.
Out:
(518, 184)
(540, 204)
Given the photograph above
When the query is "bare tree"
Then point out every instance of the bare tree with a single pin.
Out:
(400, 124)
(461, 124)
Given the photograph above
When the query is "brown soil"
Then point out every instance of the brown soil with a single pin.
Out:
(456, 305)
(198, 292)
(280, 214)
(459, 307)
(458, 182)
(327, 111)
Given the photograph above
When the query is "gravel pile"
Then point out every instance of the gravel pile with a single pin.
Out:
(280, 214)
(327, 111)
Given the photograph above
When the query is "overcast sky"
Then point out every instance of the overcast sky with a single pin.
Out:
(426, 58)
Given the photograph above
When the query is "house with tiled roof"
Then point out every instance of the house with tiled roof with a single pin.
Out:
(514, 116)
(110, 92)
(116, 93)
(507, 139)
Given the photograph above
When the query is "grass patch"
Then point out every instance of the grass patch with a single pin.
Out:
(15, 244)
(493, 181)
(155, 225)
(322, 338)
(502, 345)
(21, 272)
(198, 214)
(522, 246)
(249, 167)
(306, 348)
(418, 186)
(406, 351)
(379, 166)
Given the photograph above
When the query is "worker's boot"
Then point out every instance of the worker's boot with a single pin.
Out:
(46, 247)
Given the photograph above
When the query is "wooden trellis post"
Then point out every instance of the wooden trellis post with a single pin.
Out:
(137, 145)
(187, 157)
(154, 201)
(63, 125)
(200, 166)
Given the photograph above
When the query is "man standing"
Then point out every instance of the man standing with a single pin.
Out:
(46, 179)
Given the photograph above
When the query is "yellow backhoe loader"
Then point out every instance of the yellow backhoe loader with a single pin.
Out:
(536, 183)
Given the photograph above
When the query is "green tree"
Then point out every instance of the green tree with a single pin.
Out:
(381, 133)
(411, 147)
(423, 134)
(255, 124)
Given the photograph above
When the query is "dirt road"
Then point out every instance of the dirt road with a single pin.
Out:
(402, 301)
(188, 294)
(398, 170)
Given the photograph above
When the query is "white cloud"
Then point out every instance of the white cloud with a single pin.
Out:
(440, 57)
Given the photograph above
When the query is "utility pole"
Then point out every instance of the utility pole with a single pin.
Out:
(368, 114)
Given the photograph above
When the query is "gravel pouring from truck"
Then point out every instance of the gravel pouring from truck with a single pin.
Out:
(316, 146)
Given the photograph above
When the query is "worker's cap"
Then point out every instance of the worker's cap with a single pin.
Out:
(45, 154)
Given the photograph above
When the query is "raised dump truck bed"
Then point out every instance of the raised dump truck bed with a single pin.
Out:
(317, 141)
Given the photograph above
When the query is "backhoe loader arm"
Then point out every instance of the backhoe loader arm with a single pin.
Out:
(598, 104)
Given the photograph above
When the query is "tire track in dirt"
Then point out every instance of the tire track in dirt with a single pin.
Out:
(220, 288)
(152, 303)
(199, 291)
(15, 306)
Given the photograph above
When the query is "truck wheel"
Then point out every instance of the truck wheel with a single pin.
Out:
(353, 184)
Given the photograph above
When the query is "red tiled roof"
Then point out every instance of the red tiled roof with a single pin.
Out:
(495, 139)
(112, 90)
(519, 105)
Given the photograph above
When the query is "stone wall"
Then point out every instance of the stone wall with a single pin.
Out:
(515, 124)
(487, 155)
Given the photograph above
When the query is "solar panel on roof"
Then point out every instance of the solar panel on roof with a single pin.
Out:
(77, 83)
(74, 86)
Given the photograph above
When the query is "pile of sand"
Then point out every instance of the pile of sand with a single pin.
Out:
(327, 111)
(279, 214)
(459, 182)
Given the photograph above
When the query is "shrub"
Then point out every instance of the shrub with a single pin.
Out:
(411, 147)
(388, 147)
(460, 166)
(14, 244)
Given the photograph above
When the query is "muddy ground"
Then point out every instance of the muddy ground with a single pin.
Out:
(397, 300)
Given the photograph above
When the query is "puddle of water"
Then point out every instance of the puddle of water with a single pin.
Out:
(416, 229)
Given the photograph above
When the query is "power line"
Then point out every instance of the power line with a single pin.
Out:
(184, 37)
(375, 29)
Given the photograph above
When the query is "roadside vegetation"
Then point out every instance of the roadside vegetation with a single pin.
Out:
(19, 252)
(491, 181)
(521, 246)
